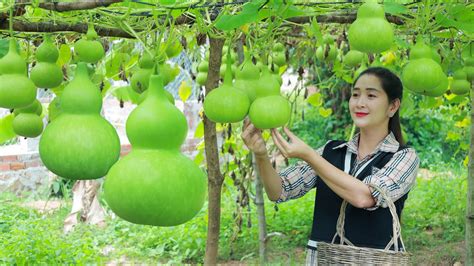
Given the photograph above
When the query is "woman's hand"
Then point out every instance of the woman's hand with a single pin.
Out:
(294, 148)
(253, 139)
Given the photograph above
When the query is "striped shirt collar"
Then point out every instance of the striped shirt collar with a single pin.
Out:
(388, 144)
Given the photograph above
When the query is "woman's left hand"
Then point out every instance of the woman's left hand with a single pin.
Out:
(294, 148)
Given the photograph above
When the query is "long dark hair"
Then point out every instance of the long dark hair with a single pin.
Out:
(392, 85)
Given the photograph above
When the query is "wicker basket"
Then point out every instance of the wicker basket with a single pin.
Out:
(341, 254)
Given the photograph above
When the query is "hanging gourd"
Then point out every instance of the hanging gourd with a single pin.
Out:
(422, 74)
(460, 85)
(89, 49)
(270, 109)
(328, 50)
(27, 121)
(141, 77)
(246, 77)
(155, 184)
(278, 55)
(80, 143)
(16, 89)
(46, 73)
(226, 104)
(201, 76)
(370, 32)
(353, 58)
(469, 68)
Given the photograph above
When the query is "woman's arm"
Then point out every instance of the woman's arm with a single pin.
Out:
(346, 186)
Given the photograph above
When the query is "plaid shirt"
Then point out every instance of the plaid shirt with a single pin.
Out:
(397, 177)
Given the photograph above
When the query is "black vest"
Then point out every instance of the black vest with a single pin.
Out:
(362, 227)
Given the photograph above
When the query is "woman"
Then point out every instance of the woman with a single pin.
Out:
(376, 154)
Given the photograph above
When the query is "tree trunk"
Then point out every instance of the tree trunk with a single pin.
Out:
(470, 193)
(262, 222)
(215, 177)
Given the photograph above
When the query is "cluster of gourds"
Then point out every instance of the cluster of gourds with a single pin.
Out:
(255, 92)
(423, 74)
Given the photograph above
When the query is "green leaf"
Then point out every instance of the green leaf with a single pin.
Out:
(395, 8)
(4, 43)
(199, 132)
(315, 99)
(248, 14)
(444, 21)
(6, 128)
(113, 65)
(184, 91)
(325, 112)
(126, 93)
(316, 30)
(292, 11)
(167, 2)
(64, 55)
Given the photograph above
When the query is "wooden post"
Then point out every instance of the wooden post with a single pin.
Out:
(215, 178)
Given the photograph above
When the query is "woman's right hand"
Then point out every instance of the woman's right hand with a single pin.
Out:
(252, 137)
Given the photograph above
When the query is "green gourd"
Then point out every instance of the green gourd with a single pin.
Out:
(46, 74)
(270, 112)
(88, 49)
(157, 112)
(16, 90)
(370, 32)
(422, 74)
(155, 184)
(460, 85)
(469, 68)
(141, 77)
(143, 96)
(27, 121)
(327, 51)
(203, 66)
(226, 104)
(353, 58)
(267, 84)
(246, 77)
(80, 143)
(440, 89)
(201, 78)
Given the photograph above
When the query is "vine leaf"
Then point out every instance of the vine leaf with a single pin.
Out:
(248, 14)
(325, 112)
(6, 128)
(315, 99)
(184, 91)
(3, 47)
(395, 8)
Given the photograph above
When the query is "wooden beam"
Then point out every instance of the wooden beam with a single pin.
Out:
(80, 5)
(23, 26)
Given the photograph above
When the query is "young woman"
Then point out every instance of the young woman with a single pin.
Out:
(376, 154)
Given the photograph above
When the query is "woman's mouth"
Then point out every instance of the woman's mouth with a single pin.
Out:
(359, 114)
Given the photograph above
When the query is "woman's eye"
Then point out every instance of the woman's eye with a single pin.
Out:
(355, 94)
(372, 96)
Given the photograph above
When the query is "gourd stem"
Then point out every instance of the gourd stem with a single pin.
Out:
(81, 70)
(156, 88)
(228, 70)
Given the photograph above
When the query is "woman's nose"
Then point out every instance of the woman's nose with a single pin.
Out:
(360, 101)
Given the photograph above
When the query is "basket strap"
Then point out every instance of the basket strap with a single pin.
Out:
(342, 213)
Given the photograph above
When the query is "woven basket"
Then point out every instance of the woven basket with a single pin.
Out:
(341, 254)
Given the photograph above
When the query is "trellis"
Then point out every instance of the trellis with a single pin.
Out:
(341, 16)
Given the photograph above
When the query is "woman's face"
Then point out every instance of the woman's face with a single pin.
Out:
(369, 104)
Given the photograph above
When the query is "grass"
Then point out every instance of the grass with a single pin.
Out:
(433, 230)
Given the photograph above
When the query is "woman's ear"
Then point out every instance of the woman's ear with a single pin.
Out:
(394, 106)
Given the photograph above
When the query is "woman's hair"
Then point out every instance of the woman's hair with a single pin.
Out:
(392, 85)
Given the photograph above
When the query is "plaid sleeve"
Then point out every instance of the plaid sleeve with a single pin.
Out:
(297, 180)
(396, 178)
